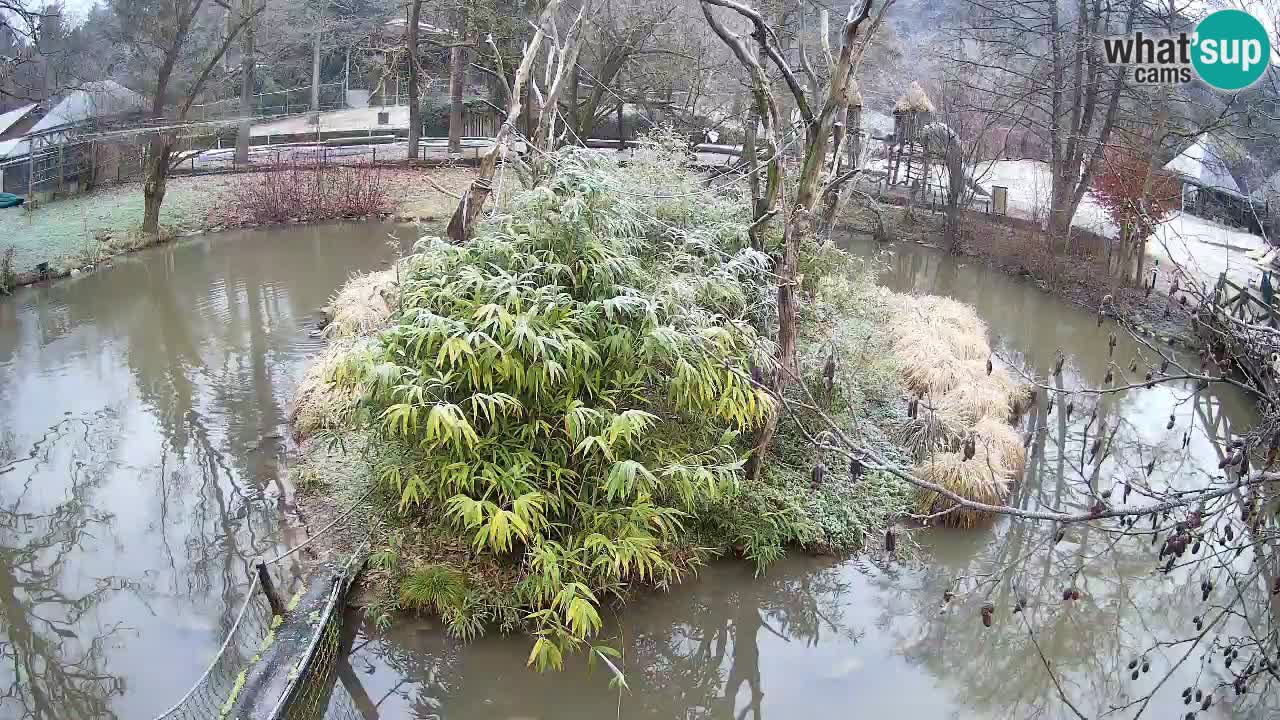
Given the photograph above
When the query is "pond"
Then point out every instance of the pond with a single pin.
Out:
(142, 458)
(142, 464)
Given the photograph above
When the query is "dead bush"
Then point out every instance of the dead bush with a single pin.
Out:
(306, 193)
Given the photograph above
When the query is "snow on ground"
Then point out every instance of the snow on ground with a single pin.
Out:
(1200, 246)
(348, 120)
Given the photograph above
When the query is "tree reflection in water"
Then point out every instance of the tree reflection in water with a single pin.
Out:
(693, 653)
(49, 666)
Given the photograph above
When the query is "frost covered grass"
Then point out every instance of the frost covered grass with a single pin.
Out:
(84, 228)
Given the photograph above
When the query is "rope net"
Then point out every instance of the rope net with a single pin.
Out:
(215, 693)
(279, 666)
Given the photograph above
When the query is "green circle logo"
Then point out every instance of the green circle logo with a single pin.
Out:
(1232, 50)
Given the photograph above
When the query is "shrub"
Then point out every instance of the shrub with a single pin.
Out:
(306, 192)
(568, 389)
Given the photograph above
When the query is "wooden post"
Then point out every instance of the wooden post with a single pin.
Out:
(269, 589)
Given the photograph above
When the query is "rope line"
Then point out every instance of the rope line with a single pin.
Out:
(244, 607)
(323, 530)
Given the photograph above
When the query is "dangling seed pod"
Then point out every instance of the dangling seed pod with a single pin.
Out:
(1071, 407)
(1133, 366)
(989, 367)
(1206, 587)
(1208, 700)
(1170, 425)
(1231, 534)
(1150, 383)
(1195, 549)
(1057, 365)
(1106, 380)
(988, 610)
(1164, 366)
(1125, 498)
(819, 474)
(890, 540)
(1151, 467)
(1168, 567)
(1058, 537)
(829, 370)
(1106, 494)
(969, 449)
(1146, 666)
(1111, 344)
(1187, 692)
(1182, 300)
(1093, 449)
(1134, 675)
(1049, 409)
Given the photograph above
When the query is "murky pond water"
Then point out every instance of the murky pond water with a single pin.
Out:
(140, 470)
(142, 416)
(824, 637)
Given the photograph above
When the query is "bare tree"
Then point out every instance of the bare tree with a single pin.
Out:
(415, 104)
(1045, 55)
(820, 135)
(457, 80)
(169, 40)
(560, 53)
(247, 77)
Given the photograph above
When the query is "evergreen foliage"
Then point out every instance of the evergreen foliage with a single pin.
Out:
(568, 391)
(561, 409)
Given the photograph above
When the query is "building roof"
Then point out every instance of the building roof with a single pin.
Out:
(103, 98)
(9, 119)
(1202, 164)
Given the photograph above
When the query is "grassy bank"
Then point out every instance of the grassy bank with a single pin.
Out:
(558, 414)
(82, 230)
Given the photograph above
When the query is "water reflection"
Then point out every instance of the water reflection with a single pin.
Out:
(826, 638)
(142, 459)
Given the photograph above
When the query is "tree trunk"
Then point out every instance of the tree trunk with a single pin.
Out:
(154, 184)
(315, 65)
(457, 79)
(247, 63)
(472, 201)
(415, 111)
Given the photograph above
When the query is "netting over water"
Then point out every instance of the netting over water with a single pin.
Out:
(215, 692)
(279, 666)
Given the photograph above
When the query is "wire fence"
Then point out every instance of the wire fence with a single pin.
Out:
(216, 692)
(286, 101)
(279, 660)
